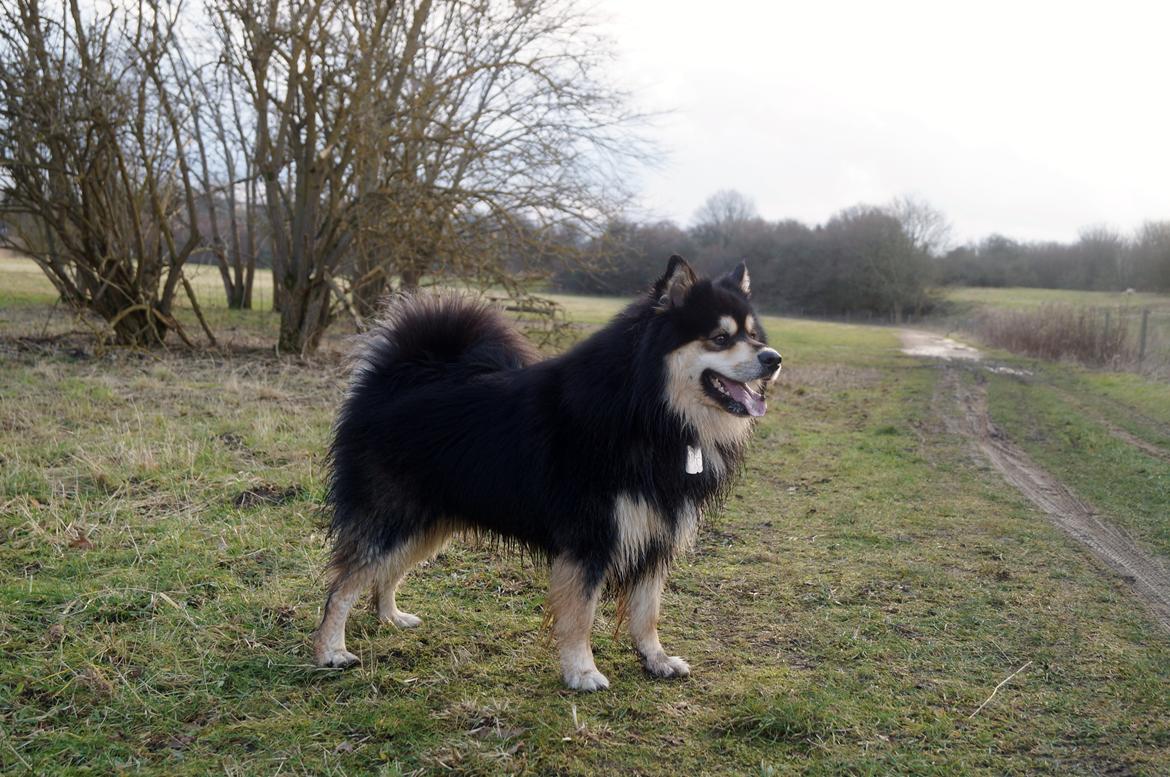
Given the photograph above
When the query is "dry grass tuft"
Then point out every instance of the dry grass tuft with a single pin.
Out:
(1061, 332)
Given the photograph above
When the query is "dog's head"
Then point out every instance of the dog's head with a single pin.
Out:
(720, 365)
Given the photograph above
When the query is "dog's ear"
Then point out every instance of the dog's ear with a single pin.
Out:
(739, 280)
(671, 289)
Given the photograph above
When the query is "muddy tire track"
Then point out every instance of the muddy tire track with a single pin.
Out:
(1147, 576)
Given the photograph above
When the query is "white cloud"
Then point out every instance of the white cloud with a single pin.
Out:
(1028, 118)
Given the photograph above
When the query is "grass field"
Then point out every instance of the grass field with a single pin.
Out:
(1028, 298)
(868, 586)
(27, 307)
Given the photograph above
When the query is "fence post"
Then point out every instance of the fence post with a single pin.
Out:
(1142, 339)
(1105, 350)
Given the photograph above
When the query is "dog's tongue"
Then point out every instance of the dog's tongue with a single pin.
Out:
(754, 402)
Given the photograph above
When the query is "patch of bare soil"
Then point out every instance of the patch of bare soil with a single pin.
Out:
(266, 494)
(967, 415)
(833, 376)
(919, 343)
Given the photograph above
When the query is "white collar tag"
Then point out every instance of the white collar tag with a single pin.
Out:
(694, 460)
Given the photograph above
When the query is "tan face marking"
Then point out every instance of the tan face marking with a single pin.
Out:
(727, 324)
(685, 393)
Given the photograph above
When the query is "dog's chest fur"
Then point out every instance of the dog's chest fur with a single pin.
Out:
(652, 528)
(647, 535)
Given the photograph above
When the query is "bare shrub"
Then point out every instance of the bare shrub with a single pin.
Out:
(95, 183)
(416, 142)
(1086, 335)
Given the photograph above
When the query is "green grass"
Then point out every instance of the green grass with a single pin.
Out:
(28, 306)
(865, 589)
(1143, 405)
(1019, 297)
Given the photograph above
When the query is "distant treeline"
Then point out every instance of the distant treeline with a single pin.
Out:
(1101, 260)
(885, 261)
(867, 260)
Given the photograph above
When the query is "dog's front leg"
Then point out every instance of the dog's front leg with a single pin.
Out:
(645, 602)
(574, 603)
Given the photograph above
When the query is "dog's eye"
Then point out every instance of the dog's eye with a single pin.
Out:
(754, 335)
(720, 339)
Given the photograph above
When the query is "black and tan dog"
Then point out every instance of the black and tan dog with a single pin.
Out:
(601, 459)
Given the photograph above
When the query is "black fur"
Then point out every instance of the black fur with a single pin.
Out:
(450, 418)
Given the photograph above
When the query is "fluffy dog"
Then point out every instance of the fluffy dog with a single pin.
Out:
(601, 459)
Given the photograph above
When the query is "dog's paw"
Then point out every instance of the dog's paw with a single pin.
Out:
(586, 680)
(337, 659)
(403, 620)
(666, 666)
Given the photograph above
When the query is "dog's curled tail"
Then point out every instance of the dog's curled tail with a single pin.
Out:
(425, 337)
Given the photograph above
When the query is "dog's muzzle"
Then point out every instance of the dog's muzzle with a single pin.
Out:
(769, 362)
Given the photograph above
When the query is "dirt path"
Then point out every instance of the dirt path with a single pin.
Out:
(967, 415)
(928, 344)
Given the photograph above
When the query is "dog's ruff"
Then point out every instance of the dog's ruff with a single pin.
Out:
(600, 460)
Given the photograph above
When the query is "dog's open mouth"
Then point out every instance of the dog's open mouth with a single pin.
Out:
(733, 396)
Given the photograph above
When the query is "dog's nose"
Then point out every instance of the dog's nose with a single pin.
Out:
(770, 359)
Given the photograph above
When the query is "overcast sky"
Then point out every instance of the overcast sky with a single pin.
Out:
(1028, 118)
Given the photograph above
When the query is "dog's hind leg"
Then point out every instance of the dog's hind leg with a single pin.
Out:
(394, 567)
(574, 603)
(644, 605)
(329, 641)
